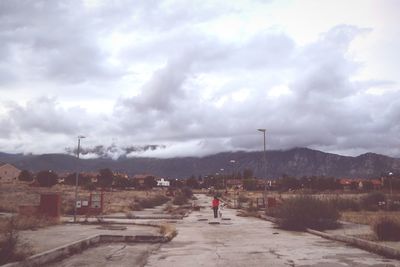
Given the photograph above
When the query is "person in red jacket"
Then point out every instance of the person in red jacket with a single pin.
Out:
(215, 205)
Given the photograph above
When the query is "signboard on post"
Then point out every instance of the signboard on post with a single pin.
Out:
(93, 206)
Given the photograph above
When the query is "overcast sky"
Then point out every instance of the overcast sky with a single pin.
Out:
(199, 77)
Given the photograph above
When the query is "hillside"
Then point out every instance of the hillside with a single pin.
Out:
(297, 162)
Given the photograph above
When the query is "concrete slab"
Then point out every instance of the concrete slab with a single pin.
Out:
(249, 241)
(48, 238)
(115, 254)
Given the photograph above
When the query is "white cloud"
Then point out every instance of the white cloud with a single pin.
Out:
(199, 76)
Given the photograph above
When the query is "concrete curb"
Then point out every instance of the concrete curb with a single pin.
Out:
(83, 244)
(374, 247)
(357, 242)
(56, 253)
(147, 217)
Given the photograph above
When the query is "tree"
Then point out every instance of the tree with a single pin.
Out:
(25, 176)
(105, 178)
(150, 182)
(122, 182)
(47, 178)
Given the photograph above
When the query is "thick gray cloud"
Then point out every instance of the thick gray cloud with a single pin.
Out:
(180, 75)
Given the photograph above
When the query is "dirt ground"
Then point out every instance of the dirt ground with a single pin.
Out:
(14, 195)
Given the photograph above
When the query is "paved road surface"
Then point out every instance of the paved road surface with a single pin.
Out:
(252, 242)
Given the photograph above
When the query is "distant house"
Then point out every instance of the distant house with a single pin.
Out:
(140, 179)
(374, 184)
(377, 184)
(161, 182)
(348, 184)
(9, 173)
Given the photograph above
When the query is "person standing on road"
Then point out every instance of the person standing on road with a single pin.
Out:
(215, 205)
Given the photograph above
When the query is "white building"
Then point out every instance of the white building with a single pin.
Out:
(8, 173)
(162, 183)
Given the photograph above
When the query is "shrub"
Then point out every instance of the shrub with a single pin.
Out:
(252, 207)
(371, 201)
(187, 192)
(25, 176)
(346, 204)
(303, 212)
(387, 229)
(9, 249)
(47, 178)
(130, 215)
(180, 199)
(153, 201)
(135, 206)
(168, 230)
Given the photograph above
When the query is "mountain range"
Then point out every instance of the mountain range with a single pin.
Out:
(294, 162)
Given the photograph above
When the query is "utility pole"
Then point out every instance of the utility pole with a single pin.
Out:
(77, 175)
(264, 165)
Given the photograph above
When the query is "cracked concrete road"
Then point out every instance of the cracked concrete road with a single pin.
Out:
(245, 241)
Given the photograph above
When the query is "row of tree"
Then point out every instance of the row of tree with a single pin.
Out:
(105, 179)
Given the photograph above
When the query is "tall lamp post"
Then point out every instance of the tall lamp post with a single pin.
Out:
(265, 163)
(390, 183)
(77, 174)
(223, 178)
(232, 161)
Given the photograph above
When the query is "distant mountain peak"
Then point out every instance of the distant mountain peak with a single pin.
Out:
(297, 161)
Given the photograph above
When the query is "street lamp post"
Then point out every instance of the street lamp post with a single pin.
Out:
(265, 164)
(223, 178)
(233, 167)
(77, 175)
(390, 183)
(264, 156)
(235, 201)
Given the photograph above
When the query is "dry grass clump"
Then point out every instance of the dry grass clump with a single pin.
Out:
(387, 229)
(180, 199)
(168, 230)
(33, 222)
(372, 200)
(303, 212)
(147, 202)
(26, 222)
(154, 201)
(368, 217)
(344, 204)
(11, 248)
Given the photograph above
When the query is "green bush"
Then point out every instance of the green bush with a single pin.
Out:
(304, 212)
(387, 229)
(344, 204)
(371, 201)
